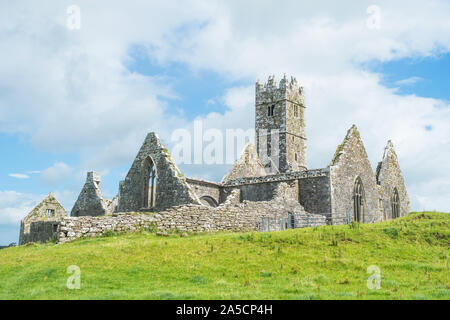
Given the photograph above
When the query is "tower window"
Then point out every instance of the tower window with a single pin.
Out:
(296, 111)
(270, 110)
(268, 147)
(295, 157)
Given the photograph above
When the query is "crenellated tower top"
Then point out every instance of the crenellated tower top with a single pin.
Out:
(285, 89)
(280, 124)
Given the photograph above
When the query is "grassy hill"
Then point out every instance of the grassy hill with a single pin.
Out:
(312, 263)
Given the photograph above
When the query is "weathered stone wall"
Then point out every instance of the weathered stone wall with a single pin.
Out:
(206, 191)
(350, 162)
(258, 191)
(48, 210)
(290, 127)
(315, 193)
(42, 231)
(292, 221)
(232, 215)
(283, 177)
(389, 178)
(171, 186)
(90, 202)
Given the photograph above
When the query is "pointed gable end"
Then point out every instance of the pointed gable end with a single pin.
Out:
(396, 202)
(154, 181)
(247, 165)
(48, 210)
(350, 165)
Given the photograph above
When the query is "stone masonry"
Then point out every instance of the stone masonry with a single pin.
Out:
(41, 224)
(390, 179)
(255, 195)
(232, 215)
(171, 186)
(90, 202)
(350, 162)
(280, 125)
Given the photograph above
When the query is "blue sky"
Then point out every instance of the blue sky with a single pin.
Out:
(73, 101)
(425, 76)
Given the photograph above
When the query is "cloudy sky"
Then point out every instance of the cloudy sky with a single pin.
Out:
(75, 99)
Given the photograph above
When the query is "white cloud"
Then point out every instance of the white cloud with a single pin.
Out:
(56, 174)
(19, 175)
(33, 172)
(408, 81)
(14, 205)
(70, 90)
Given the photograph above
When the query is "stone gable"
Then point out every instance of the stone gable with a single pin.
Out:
(350, 162)
(90, 202)
(171, 186)
(389, 178)
(247, 165)
(48, 210)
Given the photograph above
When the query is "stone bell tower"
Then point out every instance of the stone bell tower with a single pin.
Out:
(280, 125)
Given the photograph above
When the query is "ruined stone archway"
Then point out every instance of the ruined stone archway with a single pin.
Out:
(209, 201)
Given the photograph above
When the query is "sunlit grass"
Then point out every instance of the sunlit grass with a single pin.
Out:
(312, 263)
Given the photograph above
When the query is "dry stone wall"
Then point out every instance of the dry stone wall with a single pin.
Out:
(232, 215)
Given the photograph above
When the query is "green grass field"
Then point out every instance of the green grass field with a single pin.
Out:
(313, 263)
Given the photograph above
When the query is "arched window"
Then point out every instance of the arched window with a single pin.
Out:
(209, 201)
(395, 204)
(270, 110)
(358, 199)
(150, 182)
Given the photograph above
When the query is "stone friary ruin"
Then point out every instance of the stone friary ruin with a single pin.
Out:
(256, 194)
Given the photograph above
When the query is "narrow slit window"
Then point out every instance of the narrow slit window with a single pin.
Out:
(270, 110)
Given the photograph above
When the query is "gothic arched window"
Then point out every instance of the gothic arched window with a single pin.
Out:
(358, 199)
(150, 181)
(395, 204)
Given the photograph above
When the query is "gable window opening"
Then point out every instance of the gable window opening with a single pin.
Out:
(395, 205)
(49, 212)
(358, 198)
(270, 110)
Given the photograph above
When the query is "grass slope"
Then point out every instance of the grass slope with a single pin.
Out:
(313, 263)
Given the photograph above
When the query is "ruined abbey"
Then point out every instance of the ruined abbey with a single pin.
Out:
(268, 188)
